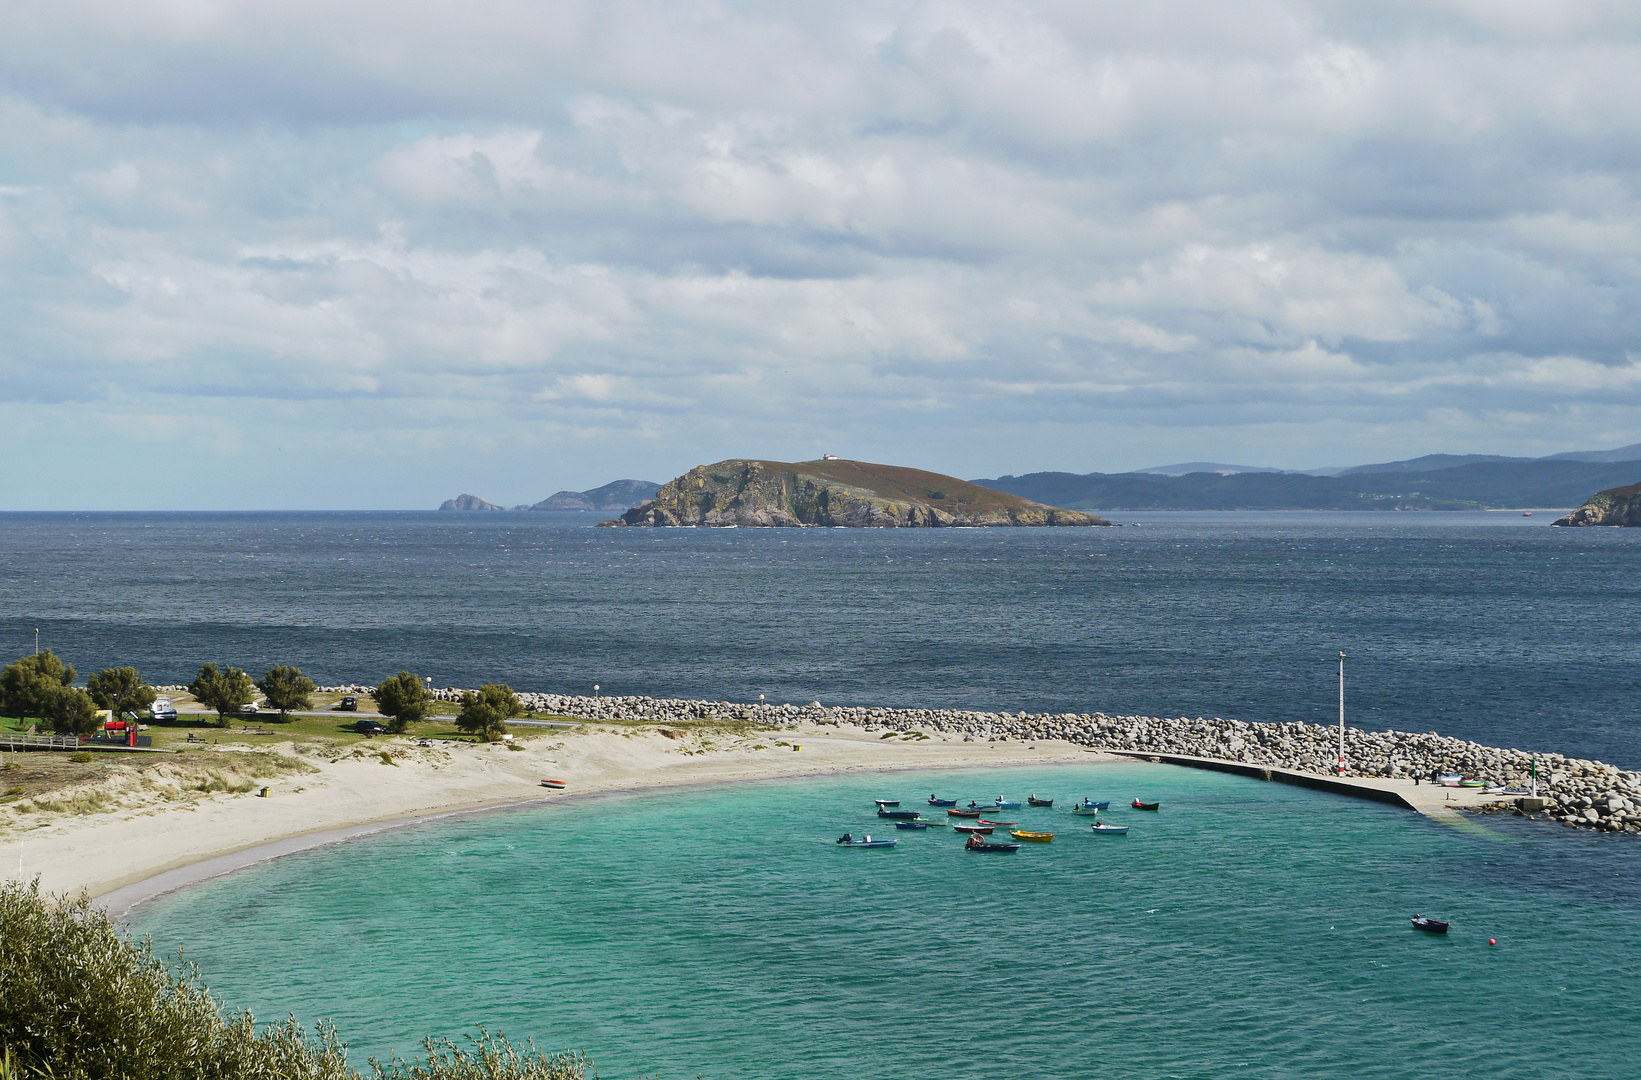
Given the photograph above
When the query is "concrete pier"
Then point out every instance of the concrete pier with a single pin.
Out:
(1429, 799)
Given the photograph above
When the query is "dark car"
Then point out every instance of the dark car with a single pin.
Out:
(369, 727)
(348, 704)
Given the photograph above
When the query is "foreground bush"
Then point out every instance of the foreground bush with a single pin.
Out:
(80, 1002)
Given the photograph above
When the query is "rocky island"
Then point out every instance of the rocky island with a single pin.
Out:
(1615, 506)
(834, 492)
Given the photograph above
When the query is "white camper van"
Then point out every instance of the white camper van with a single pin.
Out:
(162, 709)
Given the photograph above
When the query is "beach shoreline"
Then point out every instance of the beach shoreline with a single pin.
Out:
(125, 858)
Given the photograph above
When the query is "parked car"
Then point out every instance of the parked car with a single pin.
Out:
(369, 727)
(162, 709)
(348, 704)
(248, 707)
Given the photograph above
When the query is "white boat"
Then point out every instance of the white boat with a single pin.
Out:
(1109, 830)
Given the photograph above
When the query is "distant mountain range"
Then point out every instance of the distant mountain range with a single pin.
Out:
(616, 495)
(1432, 482)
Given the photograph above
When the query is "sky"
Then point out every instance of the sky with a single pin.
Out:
(349, 255)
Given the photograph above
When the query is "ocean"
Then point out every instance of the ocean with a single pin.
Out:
(1487, 626)
(1247, 929)
(1244, 930)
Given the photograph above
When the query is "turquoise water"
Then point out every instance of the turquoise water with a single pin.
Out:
(1248, 929)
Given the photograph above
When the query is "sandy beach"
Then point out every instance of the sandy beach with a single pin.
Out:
(128, 854)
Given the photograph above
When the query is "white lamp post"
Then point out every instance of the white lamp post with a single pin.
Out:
(595, 690)
(1341, 714)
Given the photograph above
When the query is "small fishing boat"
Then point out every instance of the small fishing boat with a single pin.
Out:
(1449, 781)
(900, 815)
(1109, 830)
(868, 842)
(999, 824)
(889, 803)
(1136, 804)
(1033, 837)
(983, 830)
(1089, 806)
(935, 823)
(912, 825)
(1007, 804)
(977, 844)
(556, 785)
(941, 802)
(963, 813)
(1499, 789)
(1471, 782)
(1032, 800)
(1430, 926)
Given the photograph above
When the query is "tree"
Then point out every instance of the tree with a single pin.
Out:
(225, 691)
(486, 713)
(120, 690)
(30, 685)
(286, 688)
(404, 701)
(41, 687)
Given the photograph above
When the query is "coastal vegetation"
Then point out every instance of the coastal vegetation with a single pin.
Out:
(41, 687)
(83, 1002)
(403, 700)
(286, 688)
(486, 712)
(227, 690)
(120, 691)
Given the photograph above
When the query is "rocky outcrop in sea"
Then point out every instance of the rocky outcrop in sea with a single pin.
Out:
(831, 492)
(1615, 506)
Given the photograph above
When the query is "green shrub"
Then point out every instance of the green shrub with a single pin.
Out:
(82, 756)
(81, 1002)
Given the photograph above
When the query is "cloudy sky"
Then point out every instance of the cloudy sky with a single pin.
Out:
(303, 254)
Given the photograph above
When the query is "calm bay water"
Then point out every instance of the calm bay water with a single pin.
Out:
(1488, 626)
(1247, 929)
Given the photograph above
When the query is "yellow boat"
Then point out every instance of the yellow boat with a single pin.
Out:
(1038, 837)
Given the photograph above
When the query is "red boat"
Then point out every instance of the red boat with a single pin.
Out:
(963, 813)
(983, 830)
(1136, 804)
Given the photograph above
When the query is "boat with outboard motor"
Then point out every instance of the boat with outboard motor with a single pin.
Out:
(1032, 800)
(848, 840)
(941, 802)
(977, 844)
(1103, 829)
(1089, 806)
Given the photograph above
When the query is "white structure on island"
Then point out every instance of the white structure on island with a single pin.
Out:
(1341, 714)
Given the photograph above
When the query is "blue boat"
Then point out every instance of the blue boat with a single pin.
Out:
(1089, 806)
(1006, 804)
(848, 840)
(900, 815)
(912, 825)
(941, 802)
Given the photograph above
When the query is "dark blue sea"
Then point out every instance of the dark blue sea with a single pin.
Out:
(1490, 626)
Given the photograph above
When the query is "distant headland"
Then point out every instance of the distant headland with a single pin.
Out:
(1615, 506)
(616, 495)
(834, 492)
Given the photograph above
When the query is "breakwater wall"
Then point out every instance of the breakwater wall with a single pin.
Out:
(1583, 793)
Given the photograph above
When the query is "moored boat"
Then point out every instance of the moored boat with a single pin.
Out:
(1109, 830)
(1032, 800)
(911, 825)
(941, 802)
(1033, 837)
(999, 824)
(963, 813)
(886, 803)
(983, 830)
(977, 844)
(1007, 804)
(848, 840)
(1429, 926)
(900, 815)
(1136, 804)
(1089, 806)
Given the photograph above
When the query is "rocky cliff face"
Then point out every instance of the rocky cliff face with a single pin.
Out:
(1616, 506)
(836, 493)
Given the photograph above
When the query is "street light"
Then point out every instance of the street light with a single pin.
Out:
(595, 690)
(1341, 714)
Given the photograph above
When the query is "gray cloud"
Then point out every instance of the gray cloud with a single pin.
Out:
(538, 245)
